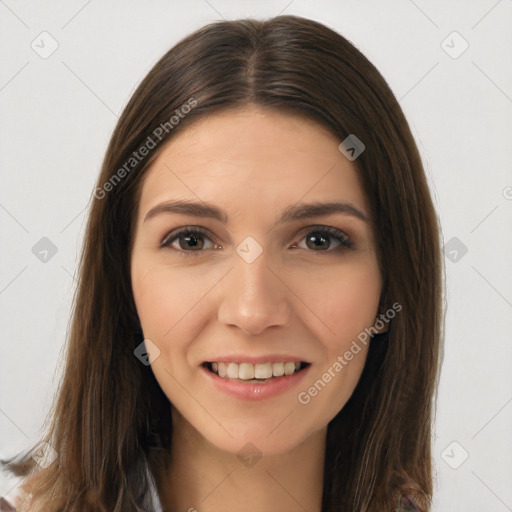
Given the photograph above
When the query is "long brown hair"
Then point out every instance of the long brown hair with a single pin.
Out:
(111, 419)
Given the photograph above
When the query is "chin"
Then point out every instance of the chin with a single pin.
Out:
(266, 438)
(255, 444)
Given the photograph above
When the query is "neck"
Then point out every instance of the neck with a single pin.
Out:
(202, 478)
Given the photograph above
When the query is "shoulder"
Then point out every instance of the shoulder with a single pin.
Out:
(17, 500)
(407, 503)
(6, 504)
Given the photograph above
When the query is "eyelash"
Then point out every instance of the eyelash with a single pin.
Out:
(343, 239)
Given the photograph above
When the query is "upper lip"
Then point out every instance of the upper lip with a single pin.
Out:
(244, 358)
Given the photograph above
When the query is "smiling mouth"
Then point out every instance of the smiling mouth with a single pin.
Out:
(248, 372)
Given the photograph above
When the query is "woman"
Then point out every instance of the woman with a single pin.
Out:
(257, 324)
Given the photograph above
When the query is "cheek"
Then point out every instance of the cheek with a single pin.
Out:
(349, 308)
(344, 304)
(357, 302)
(172, 304)
(153, 300)
(162, 298)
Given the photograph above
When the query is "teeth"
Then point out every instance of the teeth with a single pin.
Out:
(246, 371)
(278, 369)
(249, 371)
(289, 368)
(232, 371)
(222, 370)
(263, 371)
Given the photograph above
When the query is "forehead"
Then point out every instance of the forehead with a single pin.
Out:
(271, 156)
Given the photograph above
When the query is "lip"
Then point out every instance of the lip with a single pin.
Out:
(254, 390)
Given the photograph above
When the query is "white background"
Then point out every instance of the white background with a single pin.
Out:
(57, 115)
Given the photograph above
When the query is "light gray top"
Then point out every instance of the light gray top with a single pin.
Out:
(152, 500)
(151, 503)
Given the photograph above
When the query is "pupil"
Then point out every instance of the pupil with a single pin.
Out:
(318, 240)
(192, 241)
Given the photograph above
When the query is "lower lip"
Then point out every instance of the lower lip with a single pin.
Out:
(253, 390)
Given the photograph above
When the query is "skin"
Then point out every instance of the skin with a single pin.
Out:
(294, 298)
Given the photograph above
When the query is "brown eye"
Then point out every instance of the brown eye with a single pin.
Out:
(189, 240)
(317, 240)
(326, 239)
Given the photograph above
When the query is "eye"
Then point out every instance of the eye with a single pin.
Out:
(325, 238)
(190, 240)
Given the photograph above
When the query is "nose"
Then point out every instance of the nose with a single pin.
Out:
(254, 297)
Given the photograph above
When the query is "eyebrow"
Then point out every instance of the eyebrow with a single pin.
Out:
(292, 213)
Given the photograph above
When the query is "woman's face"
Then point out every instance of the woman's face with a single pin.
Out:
(259, 278)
